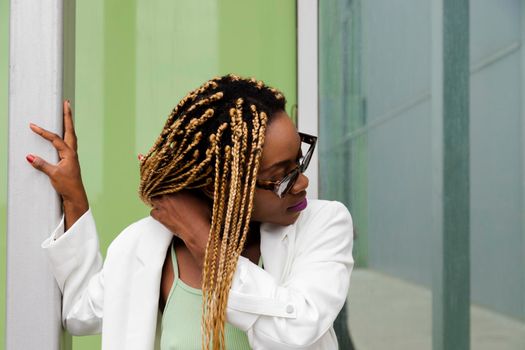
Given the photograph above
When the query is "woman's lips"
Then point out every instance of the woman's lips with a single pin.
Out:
(299, 206)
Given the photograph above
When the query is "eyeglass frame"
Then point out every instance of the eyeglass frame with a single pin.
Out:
(293, 175)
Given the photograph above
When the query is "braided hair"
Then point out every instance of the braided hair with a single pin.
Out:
(213, 141)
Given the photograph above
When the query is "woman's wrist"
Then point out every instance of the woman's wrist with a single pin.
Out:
(74, 209)
(196, 243)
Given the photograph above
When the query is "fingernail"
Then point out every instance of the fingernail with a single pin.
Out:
(140, 156)
(30, 158)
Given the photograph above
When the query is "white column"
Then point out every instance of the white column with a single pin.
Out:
(307, 82)
(38, 56)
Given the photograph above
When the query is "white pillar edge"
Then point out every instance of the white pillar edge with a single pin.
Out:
(33, 300)
(307, 82)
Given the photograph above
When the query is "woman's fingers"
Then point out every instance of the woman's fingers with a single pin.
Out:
(160, 215)
(158, 201)
(152, 213)
(70, 137)
(40, 164)
(65, 176)
(56, 140)
(157, 214)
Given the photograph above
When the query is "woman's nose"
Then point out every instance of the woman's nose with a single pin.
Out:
(301, 184)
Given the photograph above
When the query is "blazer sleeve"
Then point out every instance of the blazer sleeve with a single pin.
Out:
(299, 311)
(76, 263)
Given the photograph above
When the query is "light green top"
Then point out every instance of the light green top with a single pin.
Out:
(181, 320)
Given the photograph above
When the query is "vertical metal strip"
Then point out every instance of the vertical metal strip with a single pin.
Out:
(437, 173)
(33, 300)
(68, 88)
(69, 48)
(456, 165)
(451, 290)
(307, 81)
(522, 52)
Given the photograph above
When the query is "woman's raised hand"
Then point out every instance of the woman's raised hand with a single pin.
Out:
(187, 216)
(65, 175)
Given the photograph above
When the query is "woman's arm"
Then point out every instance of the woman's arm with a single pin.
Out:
(65, 175)
(298, 310)
(74, 255)
(76, 264)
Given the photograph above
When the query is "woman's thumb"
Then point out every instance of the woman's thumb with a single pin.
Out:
(40, 164)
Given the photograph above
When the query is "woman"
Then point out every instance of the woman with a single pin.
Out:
(229, 216)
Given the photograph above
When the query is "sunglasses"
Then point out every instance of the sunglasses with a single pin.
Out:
(283, 186)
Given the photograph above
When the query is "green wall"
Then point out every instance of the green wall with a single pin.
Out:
(135, 60)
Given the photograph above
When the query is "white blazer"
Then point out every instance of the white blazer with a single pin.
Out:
(290, 304)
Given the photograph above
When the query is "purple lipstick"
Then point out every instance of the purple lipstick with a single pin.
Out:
(299, 206)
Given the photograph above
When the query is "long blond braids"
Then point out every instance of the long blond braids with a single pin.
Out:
(213, 141)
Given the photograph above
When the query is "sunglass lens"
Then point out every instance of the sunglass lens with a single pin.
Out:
(287, 183)
(306, 160)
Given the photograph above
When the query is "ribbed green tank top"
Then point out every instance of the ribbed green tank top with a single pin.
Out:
(181, 320)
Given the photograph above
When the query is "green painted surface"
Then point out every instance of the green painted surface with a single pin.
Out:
(134, 62)
(257, 38)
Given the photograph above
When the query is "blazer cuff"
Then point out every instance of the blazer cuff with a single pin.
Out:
(62, 247)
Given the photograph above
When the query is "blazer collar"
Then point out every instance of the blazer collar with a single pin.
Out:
(151, 252)
(277, 245)
(153, 243)
(145, 286)
(155, 240)
(277, 230)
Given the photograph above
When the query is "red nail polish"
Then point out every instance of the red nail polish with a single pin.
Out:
(30, 158)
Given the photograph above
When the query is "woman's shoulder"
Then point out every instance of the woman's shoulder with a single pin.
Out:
(332, 218)
(324, 210)
(129, 239)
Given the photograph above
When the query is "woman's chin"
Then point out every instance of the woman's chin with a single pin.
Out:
(289, 219)
(286, 218)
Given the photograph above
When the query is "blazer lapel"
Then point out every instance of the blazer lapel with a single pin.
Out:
(145, 286)
(277, 244)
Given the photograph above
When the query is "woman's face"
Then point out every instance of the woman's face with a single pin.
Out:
(281, 151)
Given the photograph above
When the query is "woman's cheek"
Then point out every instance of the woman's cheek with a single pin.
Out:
(263, 206)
